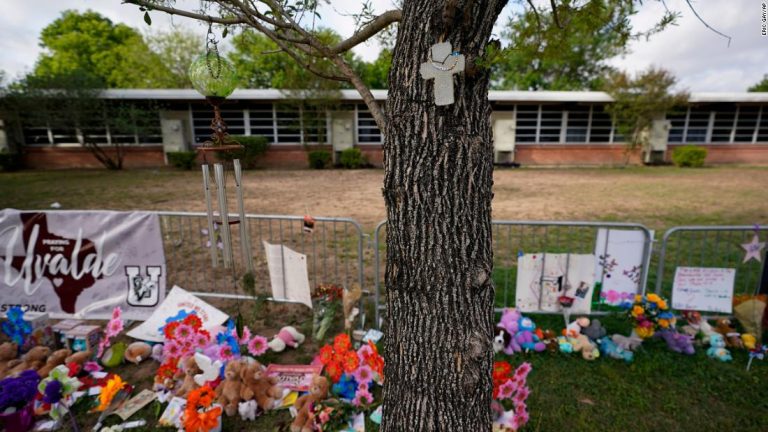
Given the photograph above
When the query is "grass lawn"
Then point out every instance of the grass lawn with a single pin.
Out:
(659, 391)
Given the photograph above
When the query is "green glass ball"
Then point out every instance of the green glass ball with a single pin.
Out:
(213, 76)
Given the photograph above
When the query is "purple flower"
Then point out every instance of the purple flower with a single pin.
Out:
(18, 391)
(52, 392)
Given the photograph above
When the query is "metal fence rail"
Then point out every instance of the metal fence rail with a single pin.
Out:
(709, 246)
(334, 252)
(511, 238)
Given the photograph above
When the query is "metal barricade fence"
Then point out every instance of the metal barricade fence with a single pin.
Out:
(709, 246)
(334, 252)
(511, 238)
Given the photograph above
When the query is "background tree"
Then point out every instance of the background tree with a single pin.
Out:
(638, 101)
(375, 73)
(761, 86)
(176, 50)
(542, 54)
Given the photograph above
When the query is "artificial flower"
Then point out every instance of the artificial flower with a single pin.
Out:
(92, 366)
(108, 392)
(225, 352)
(57, 388)
(637, 311)
(501, 369)
(257, 345)
(334, 371)
(198, 414)
(350, 361)
(182, 332)
(342, 343)
(16, 392)
(507, 389)
(326, 354)
(246, 336)
(654, 298)
(15, 326)
(363, 374)
(345, 387)
(362, 396)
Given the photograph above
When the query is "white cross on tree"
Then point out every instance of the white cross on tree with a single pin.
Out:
(441, 67)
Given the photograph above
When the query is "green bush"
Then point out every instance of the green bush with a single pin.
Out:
(319, 159)
(352, 158)
(689, 156)
(253, 148)
(10, 161)
(185, 160)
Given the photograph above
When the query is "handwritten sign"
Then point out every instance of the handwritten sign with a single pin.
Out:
(294, 377)
(703, 289)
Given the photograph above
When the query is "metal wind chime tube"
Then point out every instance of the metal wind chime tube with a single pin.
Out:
(245, 237)
(209, 209)
(226, 236)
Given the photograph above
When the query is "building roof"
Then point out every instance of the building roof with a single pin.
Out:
(352, 95)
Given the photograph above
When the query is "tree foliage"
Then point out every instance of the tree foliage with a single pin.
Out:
(761, 86)
(568, 47)
(639, 100)
(176, 49)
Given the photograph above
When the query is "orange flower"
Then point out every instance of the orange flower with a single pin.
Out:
(326, 354)
(350, 361)
(195, 421)
(342, 344)
(501, 370)
(200, 398)
(193, 321)
(108, 392)
(334, 371)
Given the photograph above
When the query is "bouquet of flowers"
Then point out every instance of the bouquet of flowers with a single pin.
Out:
(200, 415)
(327, 303)
(509, 385)
(649, 313)
(15, 327)
(114, 327)
(17, 392)
(183, 336)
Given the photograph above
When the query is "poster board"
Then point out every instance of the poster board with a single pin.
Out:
(703, 289)
(288, 274)
(619, 264)
(543, 277)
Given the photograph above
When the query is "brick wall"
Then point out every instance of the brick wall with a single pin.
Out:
(573, 154)
(79, 157)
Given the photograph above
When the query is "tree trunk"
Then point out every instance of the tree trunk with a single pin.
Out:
(437, 188)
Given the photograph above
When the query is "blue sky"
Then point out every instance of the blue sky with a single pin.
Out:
(700, 59)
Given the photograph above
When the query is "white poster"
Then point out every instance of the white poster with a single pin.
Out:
(288, 274)
(81, 263)
(619, 264)
(543, 278)
(178, 303)
(703, 289)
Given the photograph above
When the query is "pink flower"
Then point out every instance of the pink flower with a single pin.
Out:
(92, 366)
(117, 313)
(171, 349)
(507, 389)
(522, 371)
(362, 387)
(114, 327)
(521, 395)
(361, 395)
(183, 332)
(103, 344)
(363, 351)
(324, 416)
(225, 352)
(363, 375)
(200, 340)
(246, 336)
(521, 416)
(257, 345)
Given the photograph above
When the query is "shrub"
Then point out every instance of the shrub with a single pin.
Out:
(185, 160)
(689, 156)
(319, 159)
(352, 158)
(253, 148)
(10, 161)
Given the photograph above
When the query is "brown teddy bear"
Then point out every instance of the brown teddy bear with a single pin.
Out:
(583, 344)
(305, 419)
(79, 358)
(228, 392)
(57, 358)
(257, 385)
(187, 369)
(731, 336)
(550, 340)
(8, 353)
(138, 352)
(34, 359)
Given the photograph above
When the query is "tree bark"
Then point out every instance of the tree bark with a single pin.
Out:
(437, 188)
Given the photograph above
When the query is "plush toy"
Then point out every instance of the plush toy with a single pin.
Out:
(305, 418)
(697, 326)
(501, 341)
(629, 343)
(247, 410)
(34, 359)
(228, 392)
(79, 358)
(594, 330)
(550, 341)
(582, 344)
(575, 327)
(187, 370)
(157, 353)
(287, 336)
(259, 387)
(750, 341)
(8, 353)
(56, 358)
(717, 348)
(677, 342)
(526, 338)
(349, 300)
(137, 352)
(565, 345)
(731, 336)
(609, 348)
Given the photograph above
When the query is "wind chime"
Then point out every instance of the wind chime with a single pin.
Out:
(215, 78)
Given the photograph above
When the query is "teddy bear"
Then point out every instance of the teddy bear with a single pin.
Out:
(228, 392)
(8, 353)
(526, 338)
(305, 418)
(574, 328)
(79, 358)
(588, 350)
(187, 370)
(138, 352)
(731, 336)
(697, 325)
(287, 337)
(717, 348)
(56, 358)
(629, 343)
(594, 330)
(257, 385)
(34, 359)
(609, 348)
(677, 342)
(550, 340)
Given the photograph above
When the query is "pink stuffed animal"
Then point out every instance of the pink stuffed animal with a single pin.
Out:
(287, 336)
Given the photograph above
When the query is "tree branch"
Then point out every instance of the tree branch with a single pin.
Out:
(705, 23)
(180, 12)
(554, 14)
(370, 30)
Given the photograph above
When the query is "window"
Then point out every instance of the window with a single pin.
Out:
(202, 115)
(367, 130)
(288, 120)
(527, 123)
(746, 123)
(600, 130)
(762, 128)
(698, 123)
(677, 127)
(578, 124)
(315, 125)
(722, 126)
(261, 119)
(551, 122)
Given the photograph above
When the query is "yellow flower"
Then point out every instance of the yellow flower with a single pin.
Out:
(114, 385)
(654, 298)
(664, 323)
(637, 310)
(644, 332)
(638, 298)
(662, 304)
